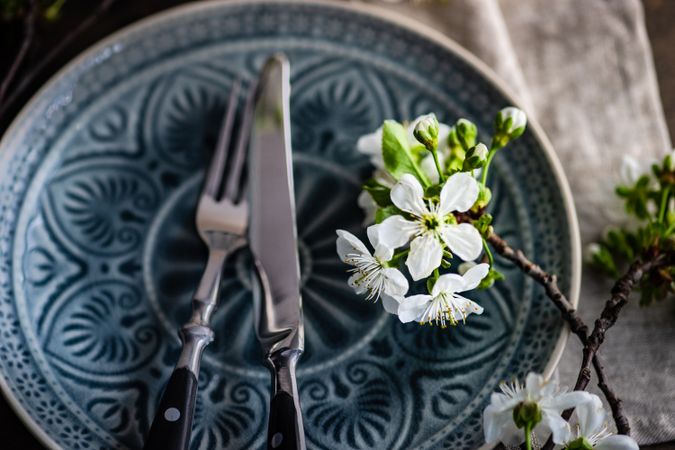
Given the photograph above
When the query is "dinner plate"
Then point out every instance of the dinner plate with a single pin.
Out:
(99, 254)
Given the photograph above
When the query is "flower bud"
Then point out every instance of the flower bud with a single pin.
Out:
(476, 157)
(466, 133)
(426, 131)
(511, 122)
(527, 414)
(484, 197)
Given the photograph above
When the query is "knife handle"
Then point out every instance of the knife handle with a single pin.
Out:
(172, 425)
(285, 429)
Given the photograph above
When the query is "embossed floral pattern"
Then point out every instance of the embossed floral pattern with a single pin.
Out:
(99, 252)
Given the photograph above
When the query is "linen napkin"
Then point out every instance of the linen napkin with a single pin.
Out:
(583, 69)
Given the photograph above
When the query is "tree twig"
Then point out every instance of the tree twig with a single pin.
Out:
(26, 43)
(576, 324)
(619, 297)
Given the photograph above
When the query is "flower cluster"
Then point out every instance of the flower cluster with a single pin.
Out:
(533, 410)
(425, 207)
(648, 194)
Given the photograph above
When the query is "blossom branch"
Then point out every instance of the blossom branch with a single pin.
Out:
(577, 326)
(620, 293)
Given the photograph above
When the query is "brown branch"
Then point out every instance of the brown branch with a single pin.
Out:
(30, 77)
(576, 324)
(620, 293)
(26, 43)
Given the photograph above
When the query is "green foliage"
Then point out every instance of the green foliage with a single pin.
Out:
(460, 153)
(379, 192)
(492, 276)
(397, 153)
(649, 203)
(387, 211)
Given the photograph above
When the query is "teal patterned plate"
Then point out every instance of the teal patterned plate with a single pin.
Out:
(99, 254)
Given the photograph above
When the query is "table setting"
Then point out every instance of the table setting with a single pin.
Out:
(271, 224)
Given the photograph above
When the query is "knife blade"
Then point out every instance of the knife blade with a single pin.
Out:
(273, 243)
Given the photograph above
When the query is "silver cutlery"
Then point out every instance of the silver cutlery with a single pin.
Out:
(221, 218)
(273, 243)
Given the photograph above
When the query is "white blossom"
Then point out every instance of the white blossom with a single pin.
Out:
(445, 305)
(498, 423)
(433, 224)
(370, 272)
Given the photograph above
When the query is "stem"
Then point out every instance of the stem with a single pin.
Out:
(491, 258)
(665, 196)
(528, 437)
(434, 153)
(491, 154)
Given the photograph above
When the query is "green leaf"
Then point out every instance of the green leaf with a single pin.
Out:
(603, 260)
(397, 154)
(387, 211)
(492, 276)
(380, 193)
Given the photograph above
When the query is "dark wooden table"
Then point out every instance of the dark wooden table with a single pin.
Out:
(659, 15)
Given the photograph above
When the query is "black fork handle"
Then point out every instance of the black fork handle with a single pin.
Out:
(172, 426)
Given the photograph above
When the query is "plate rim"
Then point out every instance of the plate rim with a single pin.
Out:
(377, 11)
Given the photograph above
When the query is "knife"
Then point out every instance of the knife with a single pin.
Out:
(273, 243)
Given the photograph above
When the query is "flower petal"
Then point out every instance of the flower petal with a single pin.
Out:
(371, 145)
(348, 244)
(465, 307)
(425, 255)
(498, 426)
(616, 442)
(394, 232)
(382, 252)
(390, 304)
(534, 384)
(590, 416)
(411, 308)
(354, 284)
(464, 240)
(557, 425)
(408, 195)
(395, 283)
(474, 276)
(459, 193)
(368, 206)
(448, 283)
(566, 400)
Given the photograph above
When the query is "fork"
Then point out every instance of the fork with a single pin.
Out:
(222, 219)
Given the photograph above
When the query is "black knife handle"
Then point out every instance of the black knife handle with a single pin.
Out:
(282, 433)
(285, 429)
(172, 425)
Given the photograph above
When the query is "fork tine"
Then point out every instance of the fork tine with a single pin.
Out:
(233, 181)
(217, 165)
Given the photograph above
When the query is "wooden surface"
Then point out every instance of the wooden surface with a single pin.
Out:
(659, 16)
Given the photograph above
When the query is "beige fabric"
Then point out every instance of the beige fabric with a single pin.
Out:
(583, 68)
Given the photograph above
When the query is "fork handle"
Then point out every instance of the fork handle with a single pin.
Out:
(172, 426)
